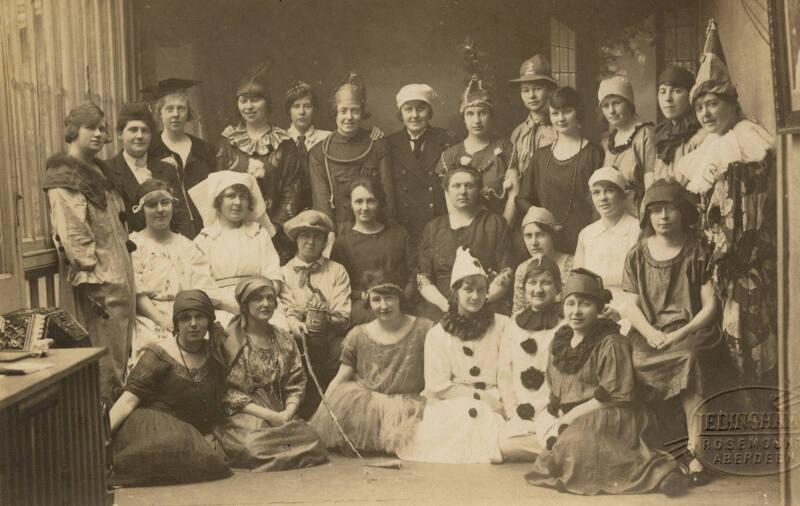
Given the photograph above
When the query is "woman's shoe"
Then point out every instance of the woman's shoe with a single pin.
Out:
(674, 484)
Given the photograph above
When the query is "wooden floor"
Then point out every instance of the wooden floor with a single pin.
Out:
(346, 481)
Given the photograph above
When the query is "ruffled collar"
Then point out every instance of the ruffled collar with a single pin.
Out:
(669, 136)
(267, 143)
(570, 360)
(531, 320)
(746, 142)
(614, 149)
(467, 328)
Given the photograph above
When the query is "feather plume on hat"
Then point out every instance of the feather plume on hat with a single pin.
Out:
(480, 78)
(255, 81)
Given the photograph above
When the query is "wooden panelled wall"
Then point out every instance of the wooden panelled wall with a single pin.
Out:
(55, 54)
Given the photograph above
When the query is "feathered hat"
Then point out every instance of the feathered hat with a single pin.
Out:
(477, 91)
(713, 76)
(255, 81)
(351, 88)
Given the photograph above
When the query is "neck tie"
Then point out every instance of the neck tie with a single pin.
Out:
(140, 163)
(417, 146)
(305, 272)
(301, 146)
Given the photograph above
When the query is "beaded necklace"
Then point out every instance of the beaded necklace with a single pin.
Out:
(545, 199)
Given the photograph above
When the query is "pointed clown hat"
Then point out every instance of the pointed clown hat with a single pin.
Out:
(465, 265)
(713, 75)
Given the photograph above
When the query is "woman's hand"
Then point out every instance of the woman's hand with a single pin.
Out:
(674, 336)
(656, 339)
(609, 313)
(376, 134)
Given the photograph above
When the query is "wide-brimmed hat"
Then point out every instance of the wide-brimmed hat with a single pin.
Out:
(165, 87)
(308, 220)
(536, 68)
(204, 193)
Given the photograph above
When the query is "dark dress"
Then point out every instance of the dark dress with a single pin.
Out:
(271, 377)
(491, 161)
(605, 450)
(669, 297)
(388, 251)
(121, 176)
(562, 187)
(201, 161)
(166, 438)
(336, 161)
(418, 189)
(487, 240)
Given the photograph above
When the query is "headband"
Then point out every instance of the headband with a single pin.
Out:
(147, 197)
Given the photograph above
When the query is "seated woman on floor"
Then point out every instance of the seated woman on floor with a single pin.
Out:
(164, 263)
(265, 388)
(677, 347)
(523, 356)
(463, 414)
(172, 399)
(376, 394)
(593, 431)
(369, 244)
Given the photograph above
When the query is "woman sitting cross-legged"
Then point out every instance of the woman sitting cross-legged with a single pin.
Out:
(376, 394)
(163, 420)
(265, 387)
(594, 431)
(164, 263)
(677, 348)
(463, 413)
(523, 356)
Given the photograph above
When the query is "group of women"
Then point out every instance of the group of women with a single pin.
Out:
(525, 299)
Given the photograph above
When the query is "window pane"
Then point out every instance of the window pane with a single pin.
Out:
(572, 54)
(685, 42)
(564, 32)
(669, 45)
(572, 39)
(685, 16)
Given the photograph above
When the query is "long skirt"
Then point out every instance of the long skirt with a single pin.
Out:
(251, 443)
(373, 421)
(698, 364)
(604, 451)
(463, 430)
(153, 447)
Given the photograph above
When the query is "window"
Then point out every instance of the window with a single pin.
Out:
(562, 52)
(680, 37)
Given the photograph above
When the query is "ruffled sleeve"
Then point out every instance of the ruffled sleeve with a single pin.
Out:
(145, 379)
(615, 379)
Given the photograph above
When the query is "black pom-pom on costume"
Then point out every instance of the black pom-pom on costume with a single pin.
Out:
(551, 441)
(562, 428)
(532, 378)
(529, 345)
(467, 351)
(480, 385)
(526, 411)
(474, 370)
(130, 246)
(473, 412)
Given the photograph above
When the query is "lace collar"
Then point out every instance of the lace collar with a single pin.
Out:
(570, 360)
(614, 149)
(237, 136)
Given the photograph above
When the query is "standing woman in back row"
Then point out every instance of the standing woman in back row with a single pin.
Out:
(264, 151)
(629, 146)
(95, 268)
(191, 156)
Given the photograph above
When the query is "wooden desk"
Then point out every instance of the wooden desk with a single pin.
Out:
(52, 447)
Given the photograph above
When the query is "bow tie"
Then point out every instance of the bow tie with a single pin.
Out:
(305, 272)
